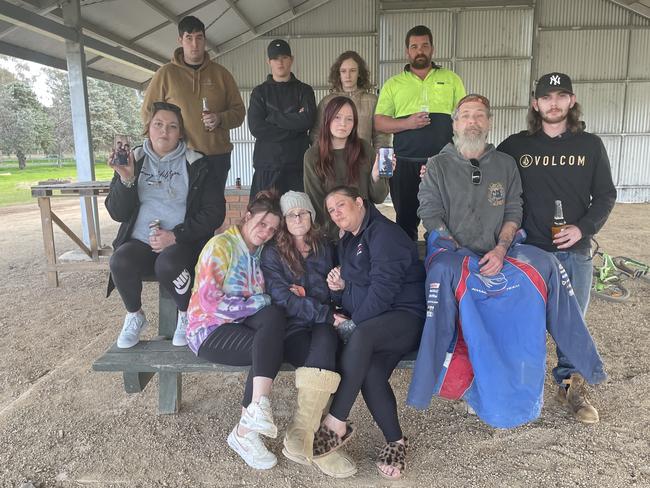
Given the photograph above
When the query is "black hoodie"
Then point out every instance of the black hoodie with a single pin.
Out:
(281, 130)
(573, 168)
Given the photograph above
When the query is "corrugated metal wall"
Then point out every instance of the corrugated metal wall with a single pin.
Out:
(497, 51)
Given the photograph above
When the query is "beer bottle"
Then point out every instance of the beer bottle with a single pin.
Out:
(558, 220)
(205, 110)
(238, 183)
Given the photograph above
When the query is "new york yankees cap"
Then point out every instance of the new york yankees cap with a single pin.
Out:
(553, 82)
(277, 48)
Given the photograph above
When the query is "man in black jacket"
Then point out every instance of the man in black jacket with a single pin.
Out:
(282, 111)
(559, 161)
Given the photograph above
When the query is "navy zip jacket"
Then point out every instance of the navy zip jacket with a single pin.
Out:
(315, 307)
(381, 269)
(279, 126)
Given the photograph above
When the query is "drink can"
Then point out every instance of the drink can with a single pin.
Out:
(238, 183)
(154, 226)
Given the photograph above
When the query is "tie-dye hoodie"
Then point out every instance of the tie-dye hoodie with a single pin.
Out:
(228, 287)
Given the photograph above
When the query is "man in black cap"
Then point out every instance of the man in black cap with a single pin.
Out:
(282, 111)
(559, 161)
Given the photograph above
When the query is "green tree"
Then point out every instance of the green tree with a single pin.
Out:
(60, 113)
(24, 124)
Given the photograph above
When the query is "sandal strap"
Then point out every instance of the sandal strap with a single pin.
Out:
(394, 454)
(326, 440)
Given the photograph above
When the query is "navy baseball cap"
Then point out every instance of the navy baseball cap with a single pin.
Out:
(553, 82)
(278, 47)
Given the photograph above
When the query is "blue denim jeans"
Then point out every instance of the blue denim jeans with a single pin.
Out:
(579, 268)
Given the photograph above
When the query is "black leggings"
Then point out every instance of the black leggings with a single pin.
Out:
(261, 341)
(173, 268)
(368, 360)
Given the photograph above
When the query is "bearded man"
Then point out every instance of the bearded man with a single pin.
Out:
(559, 160)
(415, 106)
(470, 192)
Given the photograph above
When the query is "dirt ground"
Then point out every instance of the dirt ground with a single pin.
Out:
(63, 425)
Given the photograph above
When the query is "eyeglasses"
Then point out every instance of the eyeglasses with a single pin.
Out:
(476, 173)
(295, 217)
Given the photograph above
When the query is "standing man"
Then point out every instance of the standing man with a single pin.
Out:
(416, 107)
(281, 113)
(559, 160)
(185, 81)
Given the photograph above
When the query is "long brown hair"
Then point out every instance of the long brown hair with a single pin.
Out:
(363, 82)
(266, 201)
(353, 152)
(574, 124)
(289, 253)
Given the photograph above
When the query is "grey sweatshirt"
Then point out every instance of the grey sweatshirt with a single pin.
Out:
(473, 214)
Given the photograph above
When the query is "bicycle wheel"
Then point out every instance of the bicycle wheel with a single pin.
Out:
(612, 292)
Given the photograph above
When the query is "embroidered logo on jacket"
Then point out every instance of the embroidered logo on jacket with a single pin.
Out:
(359, 248)
(496, 194)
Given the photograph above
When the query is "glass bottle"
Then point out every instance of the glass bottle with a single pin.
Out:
(558, 220)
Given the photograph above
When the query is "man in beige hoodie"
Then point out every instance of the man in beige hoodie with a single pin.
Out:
(189, 78)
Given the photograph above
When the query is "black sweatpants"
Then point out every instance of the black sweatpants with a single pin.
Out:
(222, 164)
(261, 341)
(282, 180)
(404, 187)
(173, 268)
(367, 362)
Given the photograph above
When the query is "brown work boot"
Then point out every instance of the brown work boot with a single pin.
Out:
(575, 396)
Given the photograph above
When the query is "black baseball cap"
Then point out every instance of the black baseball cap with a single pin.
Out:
(553, 82)
(278, 47)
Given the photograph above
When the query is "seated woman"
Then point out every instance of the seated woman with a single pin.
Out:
(340, 157)
(295, 269)
(380, 286)
(166, 200)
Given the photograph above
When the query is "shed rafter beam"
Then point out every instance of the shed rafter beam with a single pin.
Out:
(169, 15)
(38, 23)
(292, 7)
(43, 8)
(53, 62)
(240, 14)
(268, 26)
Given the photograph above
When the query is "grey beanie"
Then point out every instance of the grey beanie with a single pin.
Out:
(295, 199)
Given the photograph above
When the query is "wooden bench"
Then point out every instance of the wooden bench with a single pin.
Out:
(141, 362)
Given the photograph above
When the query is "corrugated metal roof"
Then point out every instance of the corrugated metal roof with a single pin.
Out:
(602, 104)
(639, 54)
(635, 169)
(350, 16)
(563, 13)
(504, 82)
(637, 113)
(486, 33)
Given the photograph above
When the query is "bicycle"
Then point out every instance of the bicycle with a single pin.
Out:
(608, 278)
(632, 268)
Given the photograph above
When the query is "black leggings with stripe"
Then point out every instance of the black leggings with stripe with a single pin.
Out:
(261, 341)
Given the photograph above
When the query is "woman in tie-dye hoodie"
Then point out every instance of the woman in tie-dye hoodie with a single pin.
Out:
(232, 321)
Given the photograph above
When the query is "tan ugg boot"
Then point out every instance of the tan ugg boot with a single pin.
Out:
(575, 397)
(337, 464)
(314, 389)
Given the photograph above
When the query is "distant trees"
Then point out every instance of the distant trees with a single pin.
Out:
(26, 125)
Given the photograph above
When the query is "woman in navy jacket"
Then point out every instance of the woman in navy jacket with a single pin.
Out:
(295, 268)
(380, 286)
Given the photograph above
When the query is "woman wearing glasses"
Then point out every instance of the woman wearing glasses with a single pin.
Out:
(295, 268)
(340, 157)
(379, 286)
(165, 198)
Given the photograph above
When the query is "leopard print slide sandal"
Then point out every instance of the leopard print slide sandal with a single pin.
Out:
(327, 441)
(393, 454)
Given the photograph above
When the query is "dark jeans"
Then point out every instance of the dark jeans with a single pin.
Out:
(222, 164)
(173, 268)
(367, 362)
(261, 341)
(579, 269)
(282, 180)
(404, 187)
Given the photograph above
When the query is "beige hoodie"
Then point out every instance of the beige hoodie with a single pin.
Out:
(181, 85)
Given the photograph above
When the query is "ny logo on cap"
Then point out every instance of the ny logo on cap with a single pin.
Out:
(555, 80)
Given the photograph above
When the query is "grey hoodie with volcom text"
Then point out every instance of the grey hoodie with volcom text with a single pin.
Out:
(472, 214)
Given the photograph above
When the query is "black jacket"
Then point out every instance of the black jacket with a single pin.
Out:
(573, 168)
(381, 269)
(315, 307)
(206, 206)
(281, 130)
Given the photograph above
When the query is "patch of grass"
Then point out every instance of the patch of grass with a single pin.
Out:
(15, 184)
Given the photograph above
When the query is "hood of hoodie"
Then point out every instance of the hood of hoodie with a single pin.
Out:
(292, 79)
(234, 236)
(177, 59)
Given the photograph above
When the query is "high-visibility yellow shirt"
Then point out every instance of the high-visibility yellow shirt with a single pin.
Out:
(406, 93)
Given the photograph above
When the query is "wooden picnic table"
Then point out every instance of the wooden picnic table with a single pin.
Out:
(88, 190)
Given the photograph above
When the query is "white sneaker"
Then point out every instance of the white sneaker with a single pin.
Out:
(259, 418)
(252, 450)
(179, 338)
(133, 325)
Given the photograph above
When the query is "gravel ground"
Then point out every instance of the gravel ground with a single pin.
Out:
(62, 425)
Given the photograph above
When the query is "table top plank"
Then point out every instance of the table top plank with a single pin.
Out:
(79, 188)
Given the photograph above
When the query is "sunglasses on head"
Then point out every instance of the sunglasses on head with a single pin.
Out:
(165, 106)
(476, 173)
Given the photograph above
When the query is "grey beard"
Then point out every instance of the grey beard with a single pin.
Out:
(470, 145)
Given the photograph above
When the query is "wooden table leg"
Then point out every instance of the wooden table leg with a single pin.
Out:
(92, 229)
(48, 240)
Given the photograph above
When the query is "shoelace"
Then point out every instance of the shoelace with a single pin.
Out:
(132, 324)
(256, 444)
